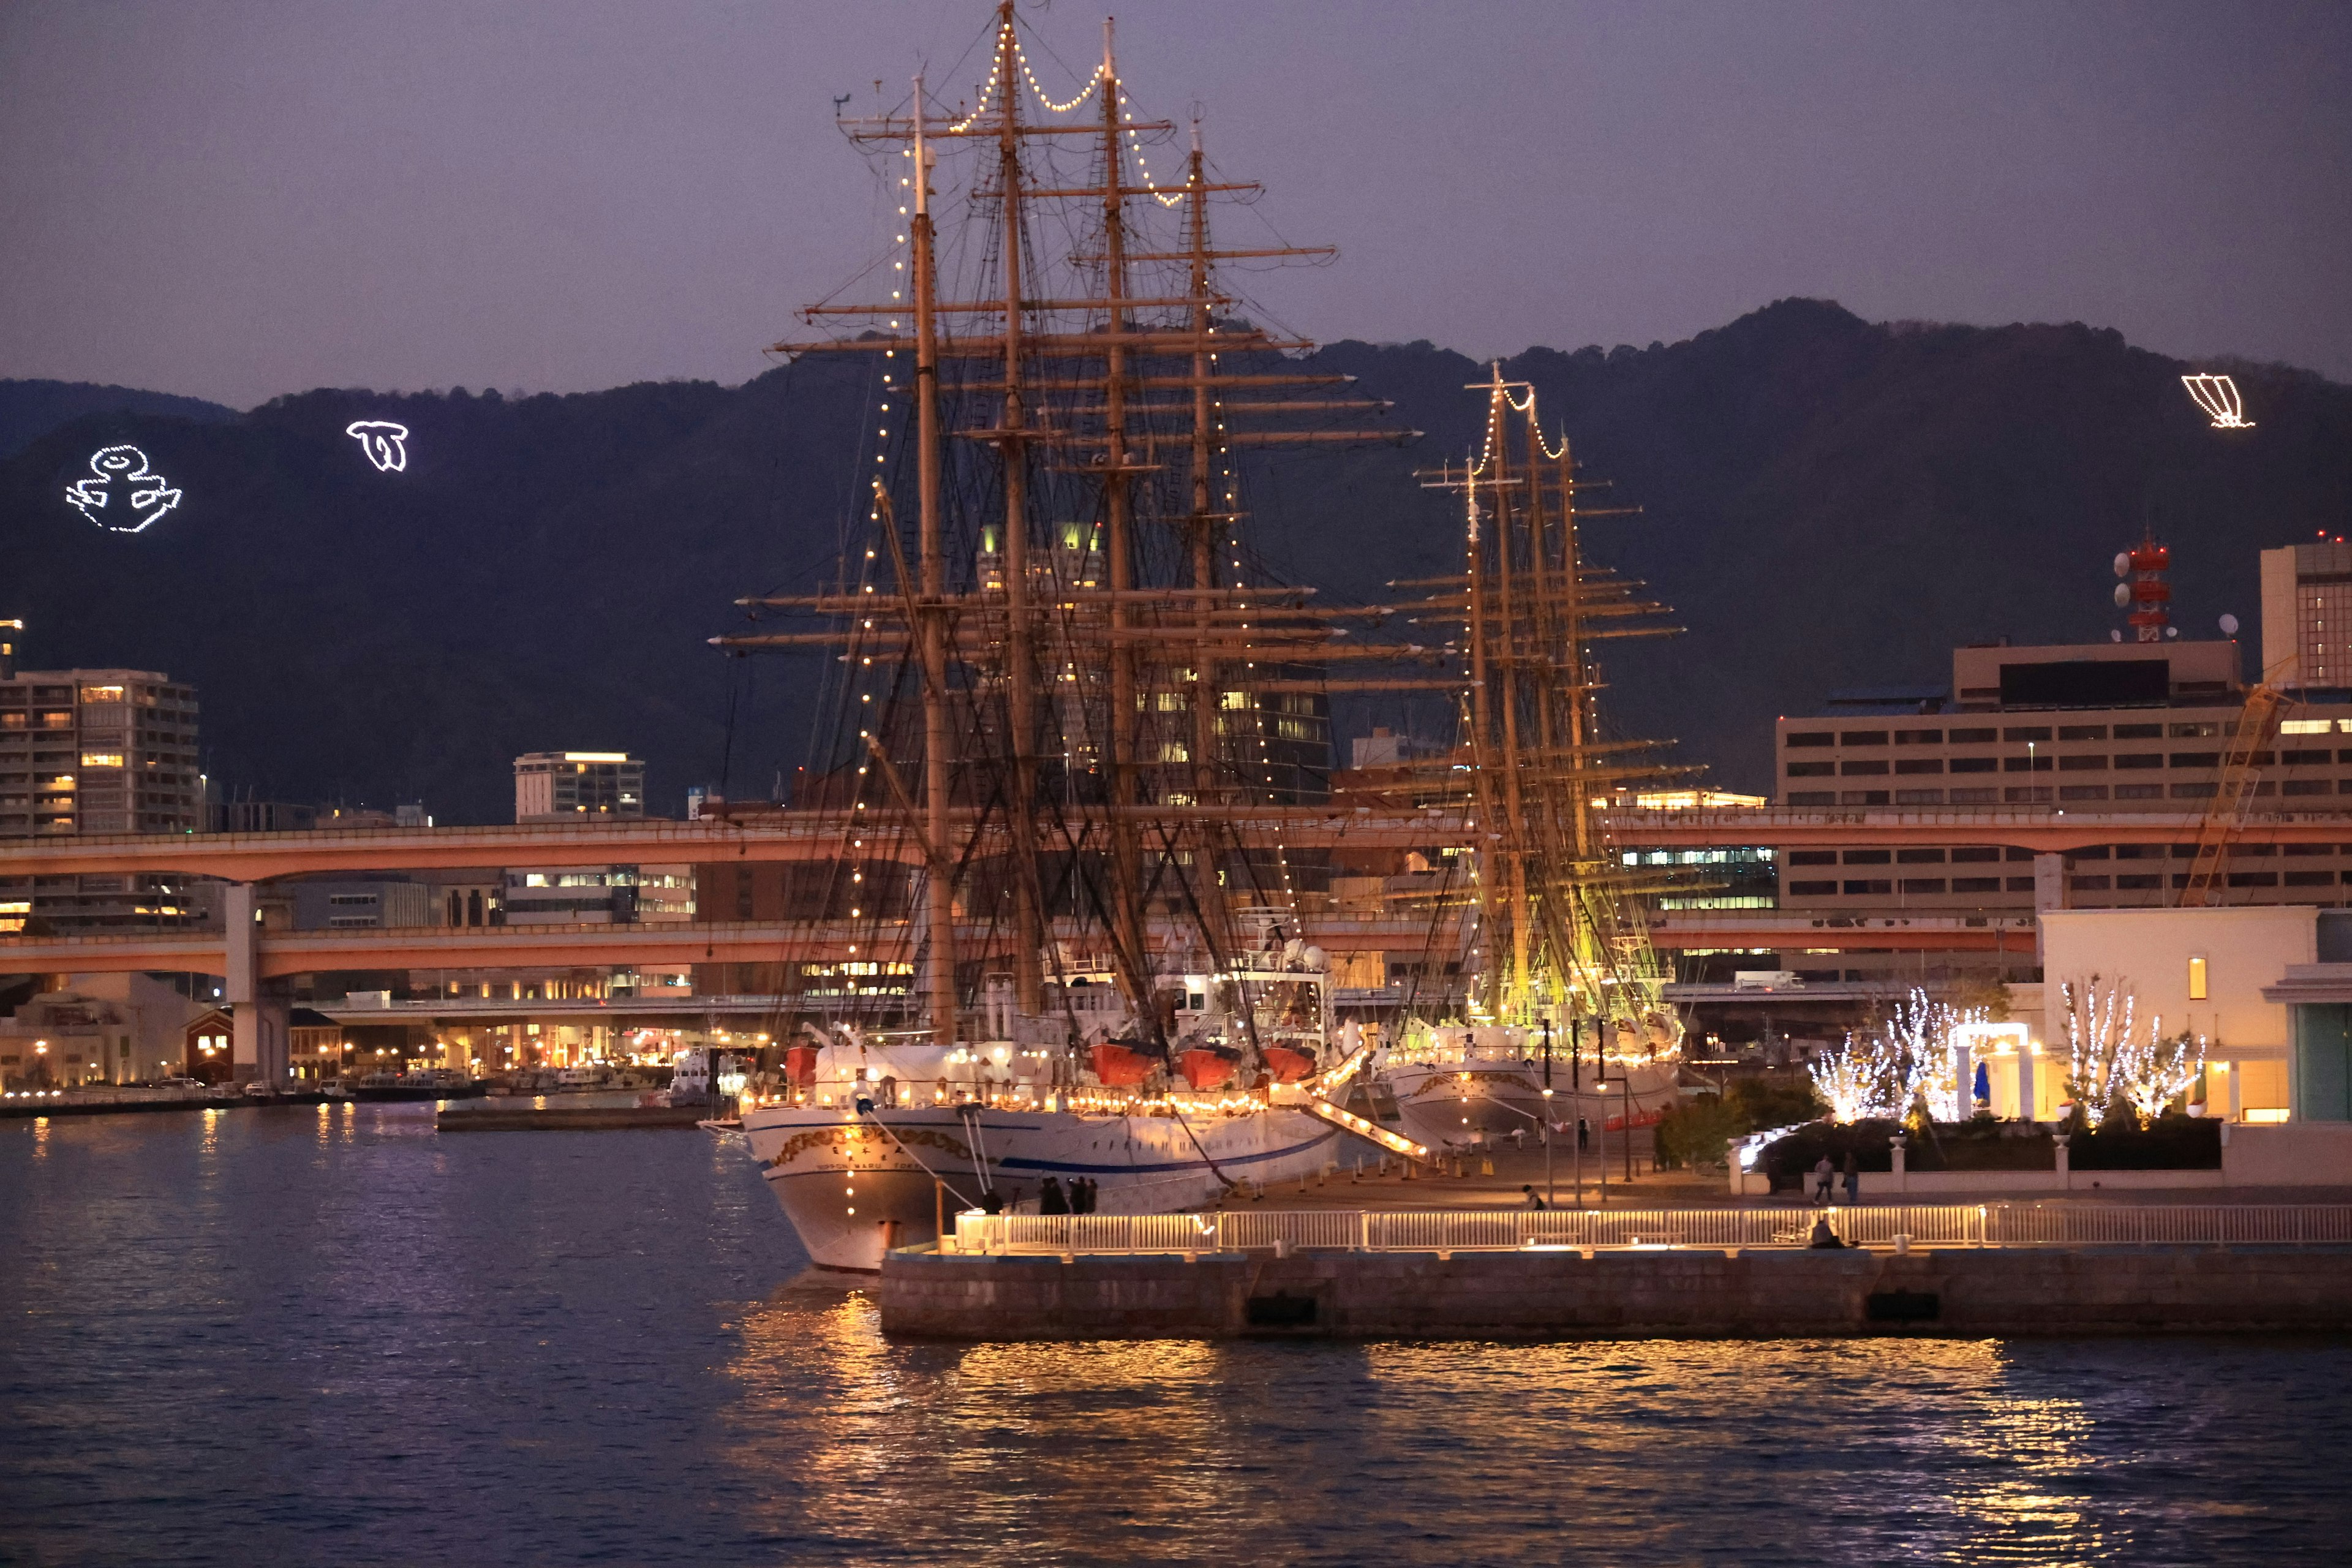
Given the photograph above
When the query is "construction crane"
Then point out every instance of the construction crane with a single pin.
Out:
(2240, 771)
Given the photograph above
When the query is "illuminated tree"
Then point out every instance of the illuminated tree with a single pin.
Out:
(1852, 1080)
(2099, 1030)
(2153, 1073)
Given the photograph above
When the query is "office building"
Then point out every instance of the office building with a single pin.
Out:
(568, 786)
(2307, 618)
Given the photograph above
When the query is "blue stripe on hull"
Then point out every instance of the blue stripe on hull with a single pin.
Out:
(1202, 1167)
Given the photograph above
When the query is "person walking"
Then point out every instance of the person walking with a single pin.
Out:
(1050, 1199)
(1824, 1173)
(1535, 1198)
(1853, 1178)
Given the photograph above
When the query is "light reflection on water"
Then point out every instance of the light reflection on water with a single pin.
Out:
(274, 1335)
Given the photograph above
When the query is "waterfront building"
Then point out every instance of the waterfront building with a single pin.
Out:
(97, 1028)
(566, 786)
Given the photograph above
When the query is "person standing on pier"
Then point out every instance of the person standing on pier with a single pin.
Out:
(1824, 1175)
(1853, 1178)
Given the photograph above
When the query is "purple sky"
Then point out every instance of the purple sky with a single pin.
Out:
(237, 199)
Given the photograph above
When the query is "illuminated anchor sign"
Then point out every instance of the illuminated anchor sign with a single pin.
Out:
(121, 471)
(2218, 396)
(385, 444)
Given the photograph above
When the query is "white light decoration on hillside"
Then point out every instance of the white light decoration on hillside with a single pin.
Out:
(2218, 396)
(385, 444)
(121, 471)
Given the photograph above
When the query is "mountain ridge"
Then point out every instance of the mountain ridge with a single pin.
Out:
(1828, 503)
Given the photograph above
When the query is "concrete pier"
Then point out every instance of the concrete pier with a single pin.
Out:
(1680, 1293)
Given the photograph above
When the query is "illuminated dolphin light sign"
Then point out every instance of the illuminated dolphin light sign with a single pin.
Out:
(385, 444)
(2218, 396)
(121, 471)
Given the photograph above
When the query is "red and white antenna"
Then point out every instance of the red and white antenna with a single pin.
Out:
(2144, 592)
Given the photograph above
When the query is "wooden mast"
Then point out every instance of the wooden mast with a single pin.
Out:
(1120, 760)
(938, 893)
(1020, 648)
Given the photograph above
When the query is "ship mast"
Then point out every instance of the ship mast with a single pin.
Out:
(1020, 644)
(938, 888)
(1087, 642)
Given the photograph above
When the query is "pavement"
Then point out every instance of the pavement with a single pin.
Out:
(1494, 1180)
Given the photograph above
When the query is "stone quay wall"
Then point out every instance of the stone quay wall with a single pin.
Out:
(1675, 1294)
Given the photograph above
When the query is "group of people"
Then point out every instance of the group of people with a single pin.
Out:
(1078, 1198)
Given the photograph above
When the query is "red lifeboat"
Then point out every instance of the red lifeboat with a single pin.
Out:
(1206, 1069)
(1119, 1068)
(1287, 1065)
(800, 1065)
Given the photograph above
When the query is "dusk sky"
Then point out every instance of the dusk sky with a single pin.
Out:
(235, 200)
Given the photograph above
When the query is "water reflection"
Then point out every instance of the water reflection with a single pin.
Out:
(236, 1338)
(1865, 1452)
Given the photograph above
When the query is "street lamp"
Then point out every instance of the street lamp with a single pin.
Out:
(1550, 1194)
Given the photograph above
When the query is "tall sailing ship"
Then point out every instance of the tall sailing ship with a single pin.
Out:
(1076, 741)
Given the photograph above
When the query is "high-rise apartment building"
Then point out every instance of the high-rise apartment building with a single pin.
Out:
(96, 750)
(2307, 617)
(568, 786)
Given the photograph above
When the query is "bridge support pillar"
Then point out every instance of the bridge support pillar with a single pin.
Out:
(258, 1044)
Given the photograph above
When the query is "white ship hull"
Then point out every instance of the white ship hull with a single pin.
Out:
(854, 1186)
(1480, 1099)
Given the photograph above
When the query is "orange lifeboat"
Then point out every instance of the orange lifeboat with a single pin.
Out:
(1119, 1068)
(1206, 1069)
(800, 1065)
(1287, 1065)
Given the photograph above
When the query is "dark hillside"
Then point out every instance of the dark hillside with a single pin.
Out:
(1828, 503)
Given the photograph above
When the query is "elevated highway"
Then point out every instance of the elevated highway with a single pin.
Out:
(2043, 832)
(259, 857)
(278, 954)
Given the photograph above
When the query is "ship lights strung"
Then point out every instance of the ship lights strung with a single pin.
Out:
(121, 471)
(386, 443)
(2218, 396)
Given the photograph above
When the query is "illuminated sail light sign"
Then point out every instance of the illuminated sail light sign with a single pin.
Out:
(126, 495)
(2218, 396)
(385, 444)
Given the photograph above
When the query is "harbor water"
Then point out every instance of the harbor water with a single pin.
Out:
(331, 1335)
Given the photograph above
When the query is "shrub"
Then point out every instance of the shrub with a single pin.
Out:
(1697, 1132)
(1789, 1161)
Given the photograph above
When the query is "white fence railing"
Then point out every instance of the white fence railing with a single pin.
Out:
(1497, 1230)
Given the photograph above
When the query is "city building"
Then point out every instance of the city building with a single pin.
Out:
(99, 1028)
(374, 903)
(2112, 728)
(2202, 971)
(2307, 619)
(565, 786)
(588, 895)
(96, 750)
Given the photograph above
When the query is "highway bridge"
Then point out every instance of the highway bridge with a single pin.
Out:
(787, 836)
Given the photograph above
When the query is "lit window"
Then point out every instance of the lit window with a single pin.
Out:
(101, 759)
(2197, 980)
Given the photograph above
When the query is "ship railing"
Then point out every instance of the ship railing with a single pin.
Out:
(1729, 1229)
